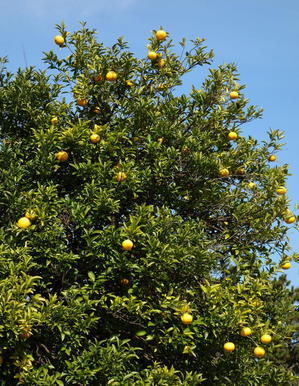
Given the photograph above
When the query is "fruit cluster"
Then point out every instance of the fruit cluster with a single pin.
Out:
(259, 352)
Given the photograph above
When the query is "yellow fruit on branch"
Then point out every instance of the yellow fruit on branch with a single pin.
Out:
(252, 185)
(229, 346)
(266, 338)
(234, 95)
(111, 76)
(281, 190)
(62, 156)
(82, 102)
(162, 63)
(161, 35)
(224, 172)
(152, 55)
(24, 223)
(246, 331)
(97, 110)
(120, 176)
(187, 318)
(272, 158)
(232, 136)
(124, 281)
(290, 219)
(54, 120)
(95, 138)
(240, 171)
(129, 83)
(127, 245)
(286, 265)
(259, 352)
(59, 40)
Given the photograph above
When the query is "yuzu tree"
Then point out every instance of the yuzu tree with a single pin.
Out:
(157, 236)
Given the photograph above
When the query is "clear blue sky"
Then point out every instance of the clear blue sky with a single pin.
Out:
(261, 36)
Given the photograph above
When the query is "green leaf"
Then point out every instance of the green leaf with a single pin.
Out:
(91, 276)
(141, 333)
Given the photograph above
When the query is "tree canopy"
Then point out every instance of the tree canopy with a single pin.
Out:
(142, 233)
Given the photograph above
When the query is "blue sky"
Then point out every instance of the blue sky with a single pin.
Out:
(260, 36)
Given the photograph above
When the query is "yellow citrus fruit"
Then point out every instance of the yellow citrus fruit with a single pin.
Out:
(54, 120)
(281, 190)
(187, 318)
(120, 176)
(152, 55)
(31, 215)
(252, 185)
(240, 171)
(266, 338)
(127, 245)
(161, 140)
(24, 223)
(272, 158)
(62, 156)
(259, 352)
(95, 138)
(97, 110)
(246, 331)
(82, 102)
(98, 78)
(224, 172)
(162, 63)
(111, 76)
(232, 135)
(229, 346)
(129, 83)
(286, 265)
(59, 40)
(124, 281)
(161, 35)
(234, 95)
(290, 220)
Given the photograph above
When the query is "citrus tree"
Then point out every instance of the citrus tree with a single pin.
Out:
(141, 232)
